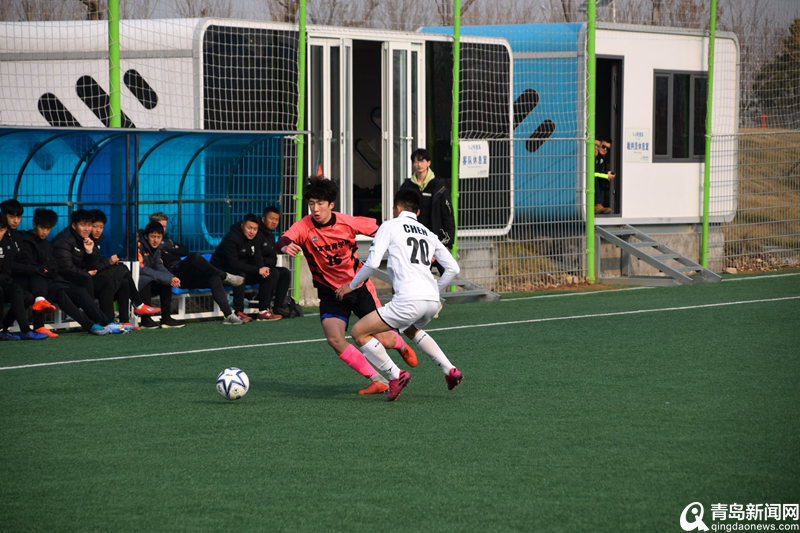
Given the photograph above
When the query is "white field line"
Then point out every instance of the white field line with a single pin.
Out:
(612, 291)
(767, 276)
(491, 324)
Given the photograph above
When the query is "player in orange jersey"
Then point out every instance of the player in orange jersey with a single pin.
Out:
(328, 242)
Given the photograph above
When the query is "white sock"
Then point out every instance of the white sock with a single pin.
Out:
(39, 299)
(432, 350)
(376, 354)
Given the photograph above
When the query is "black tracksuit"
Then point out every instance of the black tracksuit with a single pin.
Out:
(74, 263)
(242, 256)
(115, 282)
(70, 298)
(10, 292)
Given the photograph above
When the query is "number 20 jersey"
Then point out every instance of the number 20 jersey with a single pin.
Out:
(412, 248)
(331, 249)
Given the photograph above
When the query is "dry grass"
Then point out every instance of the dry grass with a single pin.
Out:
(527, 266)
(766, 230)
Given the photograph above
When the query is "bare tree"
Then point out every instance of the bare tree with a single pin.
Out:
(566, 6)
(405, 15)
(6, 8)
(94, 9)
(758, 31)
(204, 8)
(140, 9)
(283, 10)
(507, 12)
(39, 10)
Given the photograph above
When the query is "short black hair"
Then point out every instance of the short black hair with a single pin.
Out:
(81, 215)
(321, 188)
(420, 153)
(250, 217)
(407, 199)
(3, 221)
(45, 218)
(154, 227)
(603, 139)
(270, 209)
(99, 216)
(12, 207)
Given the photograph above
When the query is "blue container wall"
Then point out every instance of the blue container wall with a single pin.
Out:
(547, 174)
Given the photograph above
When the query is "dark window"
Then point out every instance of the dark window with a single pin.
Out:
(700, 106)
(661, 118)
(140, 89)
(98, 101)
(250, 79)
(679, 114)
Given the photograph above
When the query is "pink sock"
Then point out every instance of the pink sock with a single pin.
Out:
(400, 342)
(357, 361)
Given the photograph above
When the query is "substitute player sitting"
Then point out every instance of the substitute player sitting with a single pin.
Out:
(328, 241)
(411, 248)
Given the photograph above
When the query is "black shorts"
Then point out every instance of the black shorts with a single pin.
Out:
(360, 302)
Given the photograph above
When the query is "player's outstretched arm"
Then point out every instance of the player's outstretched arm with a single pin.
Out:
(451, 268)
(379, 246)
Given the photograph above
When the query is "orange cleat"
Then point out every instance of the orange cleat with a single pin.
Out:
(43, 306)
(146, 310)
(46, 331)
(408, 355)
(376, 387)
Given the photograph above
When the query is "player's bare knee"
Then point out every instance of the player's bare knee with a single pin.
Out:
(360, 339)
(410, 332)
(337, 342)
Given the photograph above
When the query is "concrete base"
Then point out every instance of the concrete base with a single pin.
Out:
(478, 259)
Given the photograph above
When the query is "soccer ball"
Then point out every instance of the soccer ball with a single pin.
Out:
(232, 383)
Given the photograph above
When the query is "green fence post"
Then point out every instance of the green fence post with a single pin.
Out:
(591, 82)
(113, 63)
(454, 134)
(301, 124)
(712, 29)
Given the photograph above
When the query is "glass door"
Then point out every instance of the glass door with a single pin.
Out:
(329, 114)
(403, 103)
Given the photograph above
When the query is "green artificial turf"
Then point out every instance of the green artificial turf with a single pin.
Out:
(575, 414)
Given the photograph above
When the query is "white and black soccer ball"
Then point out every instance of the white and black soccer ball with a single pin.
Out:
(232, 383)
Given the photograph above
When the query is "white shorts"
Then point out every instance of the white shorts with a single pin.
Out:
(401, 314)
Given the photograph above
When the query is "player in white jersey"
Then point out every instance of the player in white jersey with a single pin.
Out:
(411, 248)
